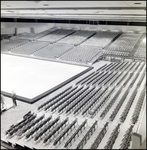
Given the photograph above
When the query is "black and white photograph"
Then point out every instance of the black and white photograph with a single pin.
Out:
(73, 75)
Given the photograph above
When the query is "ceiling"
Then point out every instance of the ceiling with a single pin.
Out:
(91, 10)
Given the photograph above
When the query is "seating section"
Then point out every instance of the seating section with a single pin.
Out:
(59, 132)
(82, 54)
(53, 50)
(56, 35)
(115, 53)
(107, 94)
(125, 42)
(11, 44)
(86, 99)
(30, 47)
(77, 37)
(113, 70)
(141, 51)
(77, 46)
(32, 36)
(101, 39)
(95, 109)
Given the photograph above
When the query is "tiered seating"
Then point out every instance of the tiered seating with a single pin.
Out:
(26, 36)
(11, 44)
(141, 51)
(114, 53)
(53, 50)
(30, 47)
(101, 39)
(32, 36)
(123, 45)
(129, 35)
(81, 54)
(82, 114)
(88, 52)
(77, 37)
(56, 35)
(125, 42)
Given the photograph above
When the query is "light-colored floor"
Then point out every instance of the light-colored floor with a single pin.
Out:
(31, 77)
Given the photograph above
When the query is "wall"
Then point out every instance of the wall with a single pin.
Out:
(9, 27)
(100, 27)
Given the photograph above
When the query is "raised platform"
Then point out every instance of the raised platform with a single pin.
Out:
(32, 79)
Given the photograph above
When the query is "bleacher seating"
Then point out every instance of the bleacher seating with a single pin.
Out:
(32, 36)
(125, 42)
(56, 35)
(53, 50)
(8, 45)
(77, 46)
(81, 54)
(101, 39)
(30, 47)
(115, 53)
(77, 37)
(110, 95)
(141, 51)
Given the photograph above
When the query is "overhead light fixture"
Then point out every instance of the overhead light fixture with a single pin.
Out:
(8, 5)
(45, 4)
(137, 3)
(98, 11)
(10, 11)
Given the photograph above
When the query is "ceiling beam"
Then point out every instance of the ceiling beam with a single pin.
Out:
(77, 8)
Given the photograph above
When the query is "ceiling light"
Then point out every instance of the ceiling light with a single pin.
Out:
(98, 11)
(10, 11)
(45, 4)
(8, 5)
(137, 3)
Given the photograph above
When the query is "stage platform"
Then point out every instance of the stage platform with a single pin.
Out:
(31, 79)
